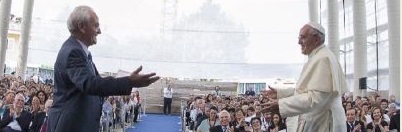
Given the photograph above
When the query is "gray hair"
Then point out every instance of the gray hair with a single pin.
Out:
(392, 105)
(80, 15)
(17, 96)
(220, 114)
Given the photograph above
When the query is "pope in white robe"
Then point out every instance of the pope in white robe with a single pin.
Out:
(315, 105)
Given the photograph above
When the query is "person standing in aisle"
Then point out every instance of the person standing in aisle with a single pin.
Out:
(167, 99)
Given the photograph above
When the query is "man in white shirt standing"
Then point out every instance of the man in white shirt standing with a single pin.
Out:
(167, 99)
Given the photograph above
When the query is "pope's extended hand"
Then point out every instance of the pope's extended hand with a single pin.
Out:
(271, 93)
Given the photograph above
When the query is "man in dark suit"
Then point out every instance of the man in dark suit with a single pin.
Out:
(352, 124)
(224, 118)
(16, 113)
(79, 89)
(250, 91)
(394, 123)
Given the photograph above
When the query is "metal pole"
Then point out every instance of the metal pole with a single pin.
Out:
(376, 40)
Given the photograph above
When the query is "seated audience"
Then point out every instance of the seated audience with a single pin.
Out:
(277, 124)
(255, 125)
(395, 122)
(239, 122)
(377, 124)
(37, 114)
(211, 121)
(352, 124)
(224, 118)
(15, 118)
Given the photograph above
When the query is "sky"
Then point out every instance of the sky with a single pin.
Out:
(273, 25)
(135, 26)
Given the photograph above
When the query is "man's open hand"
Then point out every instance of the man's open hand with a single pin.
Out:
(142, 80)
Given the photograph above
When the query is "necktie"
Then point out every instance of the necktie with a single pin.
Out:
(90, 62)
(43, 128)
(93, 70)
(350, 126)
(90, 56)
(224, 129)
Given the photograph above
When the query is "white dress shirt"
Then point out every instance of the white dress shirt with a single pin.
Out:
(167, 93)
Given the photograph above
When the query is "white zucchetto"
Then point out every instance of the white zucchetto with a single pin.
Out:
(317, 27)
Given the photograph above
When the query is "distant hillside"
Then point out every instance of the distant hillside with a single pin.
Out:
(182, 90)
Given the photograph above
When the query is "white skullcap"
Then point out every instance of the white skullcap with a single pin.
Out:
(317, 26)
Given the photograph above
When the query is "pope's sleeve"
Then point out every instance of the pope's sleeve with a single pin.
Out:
(284, 92)
(303, 103)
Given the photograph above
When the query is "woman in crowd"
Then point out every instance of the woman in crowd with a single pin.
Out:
(255, 125)
(366, 112)
(239, 122)
(358, 102)
(126, 108)
(38, 115)
(118, 110)
(42, 97)
(348, 105)
(360, 115)
(211, 121)
(209, 98)
(8, 99)
(251, 113)
(378, 124)
(277, 125)
(35, 105)
(137, 104)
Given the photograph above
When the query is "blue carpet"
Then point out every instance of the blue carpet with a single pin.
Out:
(157, 123)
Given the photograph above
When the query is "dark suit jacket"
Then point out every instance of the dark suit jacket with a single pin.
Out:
(23, 120)
(79, 90)
(37, 121)
(350, 128)
(218, 128)
(394, 123)
(250, 93)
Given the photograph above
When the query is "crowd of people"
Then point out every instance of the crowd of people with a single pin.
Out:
(245, 113)
(24, 106)
(237, 113)
(121, 111)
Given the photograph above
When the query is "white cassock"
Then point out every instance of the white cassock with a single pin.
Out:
(315, 105)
